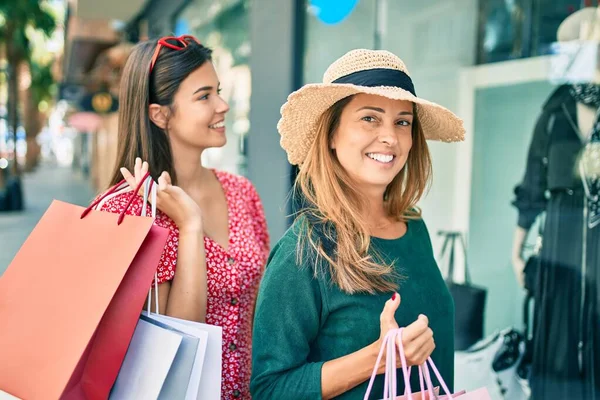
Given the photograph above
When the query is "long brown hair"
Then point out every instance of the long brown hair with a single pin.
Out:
(333, 224)
(138, 136)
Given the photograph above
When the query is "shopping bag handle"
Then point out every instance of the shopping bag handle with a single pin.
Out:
(390, 379)
(99, 199)
(390, 390)
(424, 369)
(150, 190)
(428, 381)
(384, 344)
(111, 191)
(450, 240)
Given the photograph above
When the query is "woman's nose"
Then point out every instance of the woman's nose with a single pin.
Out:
(222, 107)
(388, 136)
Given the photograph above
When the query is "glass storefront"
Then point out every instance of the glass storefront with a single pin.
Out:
(513, 29)
(224, 27)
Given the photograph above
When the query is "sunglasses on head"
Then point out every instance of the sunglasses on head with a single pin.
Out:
(180, 43)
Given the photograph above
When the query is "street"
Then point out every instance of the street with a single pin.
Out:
(48, 182)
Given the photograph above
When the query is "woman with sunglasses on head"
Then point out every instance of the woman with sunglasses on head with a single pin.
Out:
(170, 112)
(335, 281)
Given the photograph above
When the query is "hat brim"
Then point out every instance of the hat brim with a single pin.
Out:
(301, 113)
(570, 28)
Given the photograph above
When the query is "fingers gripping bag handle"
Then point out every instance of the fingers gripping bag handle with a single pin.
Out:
(118, 188)
(391, 343)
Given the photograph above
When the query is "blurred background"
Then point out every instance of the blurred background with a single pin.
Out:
(493, 62)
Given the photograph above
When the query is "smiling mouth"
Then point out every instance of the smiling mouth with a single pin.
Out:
(382, 158)
(218, 125)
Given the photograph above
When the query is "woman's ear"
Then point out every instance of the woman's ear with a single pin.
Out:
(158, 115)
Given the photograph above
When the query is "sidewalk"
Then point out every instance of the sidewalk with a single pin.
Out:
(40, 188)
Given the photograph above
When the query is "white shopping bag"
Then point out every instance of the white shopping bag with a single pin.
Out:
(6, 396)
(193, 385)
(209, 373)
(147, 363)
(180, 375)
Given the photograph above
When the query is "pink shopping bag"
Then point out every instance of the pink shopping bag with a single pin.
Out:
(393, 346)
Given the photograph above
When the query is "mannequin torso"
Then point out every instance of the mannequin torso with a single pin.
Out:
(585, 120)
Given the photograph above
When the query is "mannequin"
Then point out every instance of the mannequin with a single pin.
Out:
(566, 363)
(583, 25)
(586, 116)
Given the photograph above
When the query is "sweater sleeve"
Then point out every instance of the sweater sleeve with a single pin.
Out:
(530, 194)
(287, 321)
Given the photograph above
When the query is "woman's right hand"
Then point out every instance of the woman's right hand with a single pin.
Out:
(517, 261)
(170, 199)
(518, 265)
(417, 338)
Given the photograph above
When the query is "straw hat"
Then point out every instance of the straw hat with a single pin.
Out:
(581, 25)
(375, 72)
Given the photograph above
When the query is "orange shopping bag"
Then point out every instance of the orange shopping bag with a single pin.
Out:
(70, 301)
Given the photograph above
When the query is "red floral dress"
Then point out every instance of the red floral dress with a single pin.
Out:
(233, 276)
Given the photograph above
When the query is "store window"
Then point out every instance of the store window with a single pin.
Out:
(223, 26)
(513, 29)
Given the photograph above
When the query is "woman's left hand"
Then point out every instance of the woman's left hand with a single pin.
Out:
(170, 199)
(417, 338)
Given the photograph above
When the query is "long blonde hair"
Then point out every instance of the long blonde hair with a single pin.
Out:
(333, 223)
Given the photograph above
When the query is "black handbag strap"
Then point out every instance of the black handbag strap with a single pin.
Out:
(450, 240)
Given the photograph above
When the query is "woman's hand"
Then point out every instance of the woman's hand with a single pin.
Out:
(517, 261)
(170, 199)
(518, 265)
(417, 338)
(344, 373)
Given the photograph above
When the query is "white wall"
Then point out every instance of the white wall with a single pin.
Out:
(326, 43)
(271, 62)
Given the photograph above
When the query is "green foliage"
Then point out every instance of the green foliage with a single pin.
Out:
(18, 15)
(23, 13)
(42, 82)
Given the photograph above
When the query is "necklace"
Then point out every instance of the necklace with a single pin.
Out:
(589, 170)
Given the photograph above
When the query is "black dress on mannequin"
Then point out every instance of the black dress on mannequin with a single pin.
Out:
(566, 350)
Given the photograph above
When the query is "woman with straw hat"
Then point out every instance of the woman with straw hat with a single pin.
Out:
(358, 247)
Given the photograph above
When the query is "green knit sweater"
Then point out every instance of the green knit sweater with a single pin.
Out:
(302, 321)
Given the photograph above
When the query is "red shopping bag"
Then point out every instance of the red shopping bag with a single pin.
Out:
(70, 301)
